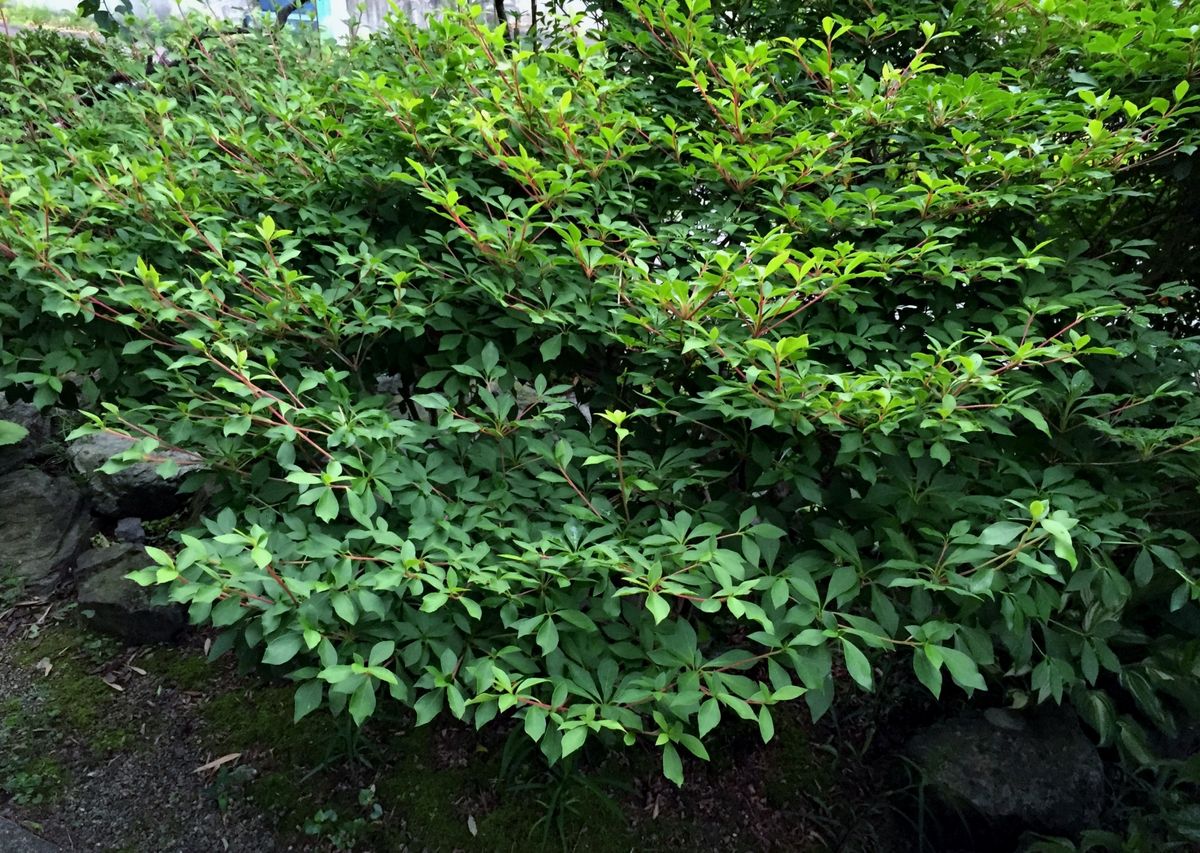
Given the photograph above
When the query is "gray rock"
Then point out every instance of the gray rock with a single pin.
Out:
(115, 605)
(130, 530)
(134, 491)
(44, 525)
(96, 560)
(15, 839)
(37, 445)
(1037, 770)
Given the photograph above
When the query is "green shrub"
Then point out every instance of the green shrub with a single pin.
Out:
(713, 366)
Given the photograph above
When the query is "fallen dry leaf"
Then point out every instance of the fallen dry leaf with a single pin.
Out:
(44, 666)
(218, 762)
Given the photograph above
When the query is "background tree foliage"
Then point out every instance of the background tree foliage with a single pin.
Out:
(730, 348)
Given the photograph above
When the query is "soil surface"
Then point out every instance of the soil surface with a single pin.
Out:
(108, 761)
(105, 747)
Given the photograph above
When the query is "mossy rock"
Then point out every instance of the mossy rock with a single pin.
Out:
(115, 605)
(44, 526)
(1037, 770)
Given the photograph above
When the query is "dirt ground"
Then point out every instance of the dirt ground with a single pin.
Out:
(152, 749)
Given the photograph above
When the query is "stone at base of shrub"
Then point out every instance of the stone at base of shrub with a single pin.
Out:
(113, 604)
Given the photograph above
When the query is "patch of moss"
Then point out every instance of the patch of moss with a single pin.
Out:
(292, 784)
(180, 668)
(87, 708)
(283, 796)
(66, 639)
(435, 804)
(305, 775)
(798, 768)
(525, 821)
(425, 798)
(28, 772)
(260, 719)
(71, 702)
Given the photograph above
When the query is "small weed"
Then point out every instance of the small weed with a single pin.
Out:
(11, 588)
(40, 782)
(229, 784)
(566, 796)
(27, 775)
(346, 834)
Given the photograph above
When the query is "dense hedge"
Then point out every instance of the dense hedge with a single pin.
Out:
(714, 363)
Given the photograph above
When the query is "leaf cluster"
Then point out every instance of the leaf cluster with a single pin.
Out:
(630, 380)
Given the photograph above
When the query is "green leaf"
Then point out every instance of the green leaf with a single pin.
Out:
(962, 669)
(307, 699)
(280, 650)
(547, 636)
(381, 651)
(11, 433)
(489, 358)
(551, 347)
(236, 426)
(766, 725)
(144, 577)
(1063, 548)
(1143, 567)
(22, 192)
(1001, 533)
(362, 702)
(779, 592)
(336, 673)
(573, 739)
(1089, 664)
(158, 555)
(844, 579)
(428, 706)
(535, 722)
(327, 506)
(345, 608)
(1034, 417)
(857, 664)
(672, 765)
(658, 607)
(1098, 712)
(928, 671)
(432, 402)
(709, 716)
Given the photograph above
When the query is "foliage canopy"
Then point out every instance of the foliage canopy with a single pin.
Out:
(631, 380)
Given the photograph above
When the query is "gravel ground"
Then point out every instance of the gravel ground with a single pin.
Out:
(145, 797)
